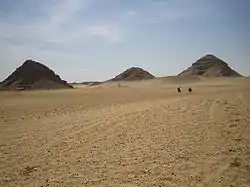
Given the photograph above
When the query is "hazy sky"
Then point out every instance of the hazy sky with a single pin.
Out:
(97, 39)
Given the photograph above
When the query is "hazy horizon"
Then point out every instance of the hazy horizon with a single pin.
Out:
(94, 40)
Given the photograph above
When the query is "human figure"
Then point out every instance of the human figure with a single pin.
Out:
(179, 90)
(190, 90)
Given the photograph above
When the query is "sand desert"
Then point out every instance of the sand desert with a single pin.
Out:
(138, 134)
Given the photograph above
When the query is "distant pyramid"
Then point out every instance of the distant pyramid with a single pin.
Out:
(33, 75)
(211, 66)
(133, 74)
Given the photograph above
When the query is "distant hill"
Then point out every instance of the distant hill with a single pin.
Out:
(33, 75)
(91, 83)
(133, 74)
(210, 66)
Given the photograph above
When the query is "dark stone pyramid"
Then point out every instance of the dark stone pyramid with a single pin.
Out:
(211, 66)
(33, 75)
(133, 74)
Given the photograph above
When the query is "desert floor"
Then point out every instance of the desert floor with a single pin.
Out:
(139, 134)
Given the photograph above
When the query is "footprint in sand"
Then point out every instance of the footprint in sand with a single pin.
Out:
(214, 108)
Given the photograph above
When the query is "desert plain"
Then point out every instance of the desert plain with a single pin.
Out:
(139, 134)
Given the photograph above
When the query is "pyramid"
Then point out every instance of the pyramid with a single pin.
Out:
(210, 66)
(33, 75)
(133, 74)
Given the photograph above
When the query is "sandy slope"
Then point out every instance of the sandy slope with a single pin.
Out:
(127, 136)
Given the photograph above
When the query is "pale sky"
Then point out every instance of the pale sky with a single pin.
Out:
(85, 40)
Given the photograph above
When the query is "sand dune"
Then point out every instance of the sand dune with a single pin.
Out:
(139, 134)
